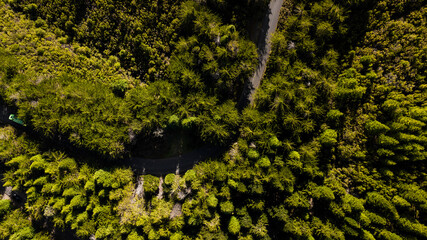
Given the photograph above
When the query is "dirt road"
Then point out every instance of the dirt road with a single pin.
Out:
(158, 167)
(262, 38)
(186, 161)
(181, 163)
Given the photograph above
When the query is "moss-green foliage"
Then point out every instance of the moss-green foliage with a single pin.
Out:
(379, 203)
(62, 87)
(93, 102)
(72, 203)
(264, 162)
(253, 154)
(62, 192)
(234, 225)
(151, 184)
(394, 78)
(354, 151)
(328, 137)
(333, 148)
(169, 179)
(211, 57)
(227, 207)
(140, 34)
(323, 193)
(13, 145)
(5, 206)
(17, 226)
(212, 201)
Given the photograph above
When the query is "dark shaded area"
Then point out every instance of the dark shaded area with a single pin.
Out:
(245, 14)
(185, 160)
(182, 162)
(260, 33)
(357, 25)
(65, 234)
(165, 143)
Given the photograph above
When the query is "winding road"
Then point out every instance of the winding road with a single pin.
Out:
(157, 167)
(186, 161)
(262, 38)
(176, 164)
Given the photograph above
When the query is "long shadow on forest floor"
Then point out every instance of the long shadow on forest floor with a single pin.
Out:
(175, 149)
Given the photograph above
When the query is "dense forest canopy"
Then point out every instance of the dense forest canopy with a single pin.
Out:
(205, 72)
(334, 146)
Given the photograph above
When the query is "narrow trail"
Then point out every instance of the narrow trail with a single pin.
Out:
(262, 38)
(153, 166)
(184, 162)
(163, 166)
(4, 114)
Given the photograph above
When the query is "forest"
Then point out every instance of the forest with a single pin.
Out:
(333, 146)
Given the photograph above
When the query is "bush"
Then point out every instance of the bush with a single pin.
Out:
(264, 162)
(188, 123)
(324, 30)
(31, 10)
(413, 227)
(227, 207)
(169, 179)
(386, 235)
(23, 233)
(400, 202)
(253, 154)
(212, 201)
(375, 219)
(176, 236)
(103, 178)
(334, 115)
(232, 183)
(78, 201)
(323, 193)
(151, 184)
(295, 162)
(119, 87)
(355, 203)
(173, 121)
(364, 220)
(40, 23)
(294, 155)
(297, 200)
(153, 235)
(378, 202)
(190, 175)
(135, 236)
(328, 138)
(40, 32)
(384, 140)
(234, 225)
(274, 142)
(367, 60)
(5, 207)
(8, 64)
(375, 127)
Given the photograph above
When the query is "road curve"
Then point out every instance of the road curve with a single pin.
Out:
(158, 167)
(186, 161)
(177, 164)
(263, 42)
(4, 114)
